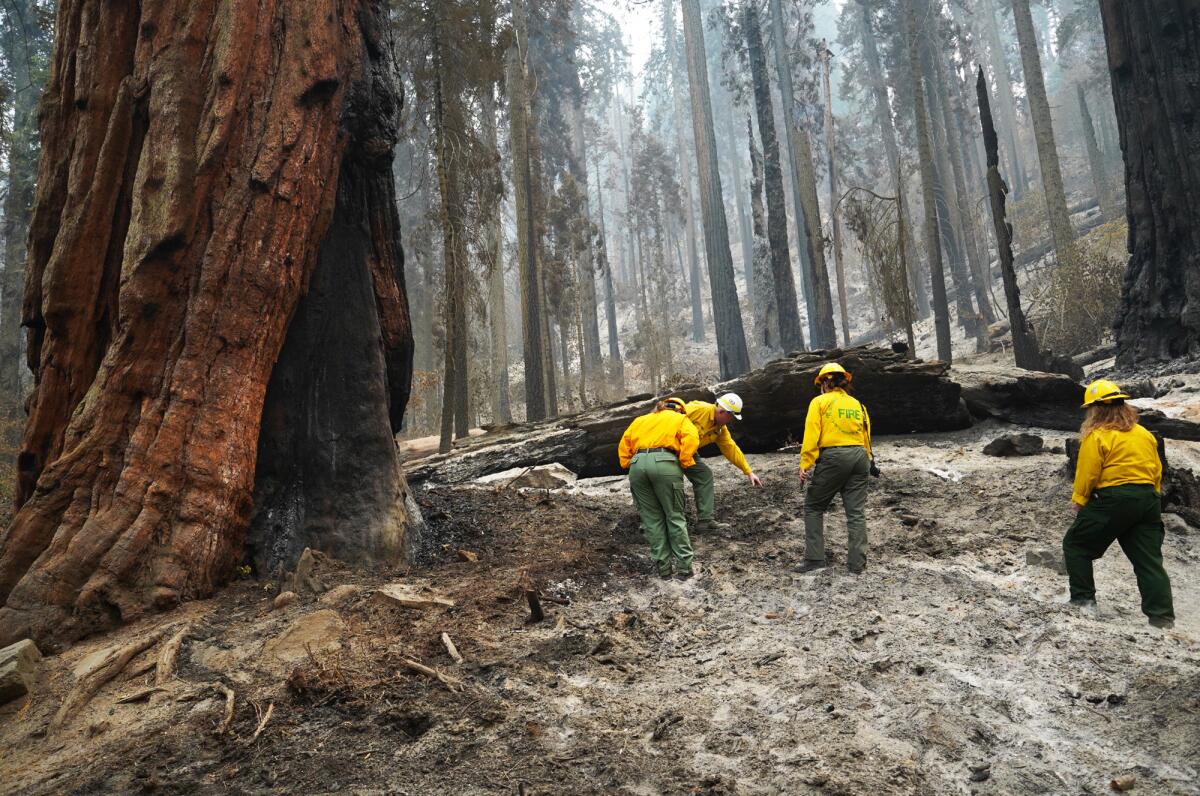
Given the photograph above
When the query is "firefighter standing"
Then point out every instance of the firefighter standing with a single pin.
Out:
(655, 449)
(1116, 498)
(712, 425)
(835, 458)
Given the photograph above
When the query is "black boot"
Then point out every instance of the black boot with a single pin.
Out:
(810, 565)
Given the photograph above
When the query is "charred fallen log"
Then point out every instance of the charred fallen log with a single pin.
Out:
(902, 395)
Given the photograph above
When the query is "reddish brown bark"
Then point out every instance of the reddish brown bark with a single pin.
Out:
(189, 173)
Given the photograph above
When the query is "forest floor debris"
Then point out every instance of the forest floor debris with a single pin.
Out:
(953, 665)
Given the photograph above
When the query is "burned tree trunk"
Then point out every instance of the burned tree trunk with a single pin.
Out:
(1025, 349)
(194, 157)
(1154, 61)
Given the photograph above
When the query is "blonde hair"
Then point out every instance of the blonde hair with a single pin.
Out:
(1117, 415)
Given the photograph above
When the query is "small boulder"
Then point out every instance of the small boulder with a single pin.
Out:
(1175, 524)
(1015, 445)
(339, 595)
(546, 476)
(18, 669)
(283, 600)
(1050, 559)
(320, 631)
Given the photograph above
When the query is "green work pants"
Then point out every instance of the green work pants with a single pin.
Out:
(656, 481)
(839, 471)
(1129, 515)
(701, 476)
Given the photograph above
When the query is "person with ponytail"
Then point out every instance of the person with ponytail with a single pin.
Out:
(1118, 479)
(835, 458)
(655, 449)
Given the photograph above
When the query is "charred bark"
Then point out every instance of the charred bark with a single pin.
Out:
(1025, 349)
(1154, 62)
(180, 215)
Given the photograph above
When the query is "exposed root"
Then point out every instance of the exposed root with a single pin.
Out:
(228, 720)
(452, 683)
(450, 648)
(164, 668)
(263, 718)
(100, 673)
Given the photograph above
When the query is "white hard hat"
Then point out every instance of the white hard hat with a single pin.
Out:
(731, 402)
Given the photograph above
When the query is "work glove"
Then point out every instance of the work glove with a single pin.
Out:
(874, 469)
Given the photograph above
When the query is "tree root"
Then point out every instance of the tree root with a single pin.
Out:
(97, 675)
(262, 720)
(164, 668)
(452, 683)
(228, 720)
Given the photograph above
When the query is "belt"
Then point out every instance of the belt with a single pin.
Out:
(654, 450)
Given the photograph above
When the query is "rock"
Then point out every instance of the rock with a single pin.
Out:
(283, 600)
(1123, 783)
(1175, 524)
(469, 556)
(547, 476)
(1015, 445)
(407, 596)
(340, 594)
(320, 631)
(18, 669)
(1050, 559)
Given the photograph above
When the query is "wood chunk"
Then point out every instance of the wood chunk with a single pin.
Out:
(454, 684)
(451, 649)
(164, 668)
(408, 596)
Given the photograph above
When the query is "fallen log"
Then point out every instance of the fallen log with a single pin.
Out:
(902, 396)
(1023, 397)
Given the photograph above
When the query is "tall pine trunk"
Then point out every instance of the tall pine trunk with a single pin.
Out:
(520, 119)
(1100, 181)
(831, 151)
(21, 40)
(791, 335)
(1154, 63)
(448, 118)
(762, 289)
(824, 335)
(210, 131)
(887, 128)
(1008, 102)
(677, 66)
(732, 356)
(941, 311)
(1043, 133)
(783, 71)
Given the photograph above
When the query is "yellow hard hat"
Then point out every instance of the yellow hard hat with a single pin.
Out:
(831, 368)
(1101, 392)
(677, 404)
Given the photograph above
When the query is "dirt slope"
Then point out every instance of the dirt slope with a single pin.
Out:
(951, 652)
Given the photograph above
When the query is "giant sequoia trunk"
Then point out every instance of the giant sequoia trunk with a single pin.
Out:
(732, 356)
(1154, 60)
(194, 157)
